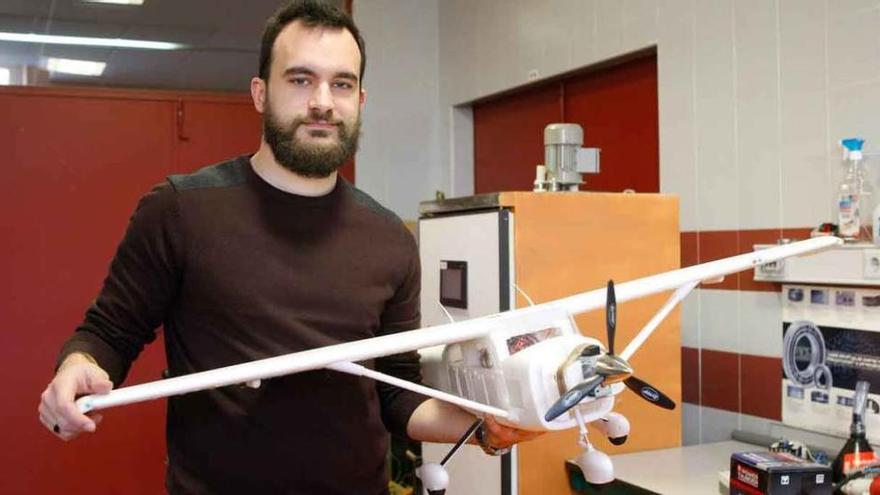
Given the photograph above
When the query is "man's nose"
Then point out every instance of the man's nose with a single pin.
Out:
(322, 98)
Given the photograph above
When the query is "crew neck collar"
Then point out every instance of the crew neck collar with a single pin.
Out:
(270, 190)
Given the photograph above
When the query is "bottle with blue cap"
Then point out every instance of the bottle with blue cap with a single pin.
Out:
(854, 195)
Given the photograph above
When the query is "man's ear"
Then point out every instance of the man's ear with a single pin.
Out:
(363, 98)
(258, 93)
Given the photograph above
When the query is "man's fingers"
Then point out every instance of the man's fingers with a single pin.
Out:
(505, 436)
(492, 424)
(63, 390)
(58, 411)
(525, 436)
(68, 435)
(47, 422)
(80, 379)
(102, 386)
(72, 419)
(96, 382)
(56, 428)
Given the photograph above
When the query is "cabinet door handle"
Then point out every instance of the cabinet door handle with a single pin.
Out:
(180, 121)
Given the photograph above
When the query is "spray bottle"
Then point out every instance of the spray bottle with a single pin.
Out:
(854, 193)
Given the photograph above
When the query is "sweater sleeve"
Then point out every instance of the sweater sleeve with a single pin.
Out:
(401, 314)
(141, 283)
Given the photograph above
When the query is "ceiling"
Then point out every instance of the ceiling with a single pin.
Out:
(223, 38)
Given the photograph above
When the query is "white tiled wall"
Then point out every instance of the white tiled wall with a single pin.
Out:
(707, 424)
(400, 159)
(690, 321)
(743, 322)
(760, 324)
(715, 98)
(757, 113)
(712, 425)
(719, 319)
(691, 425)
(754, 94)
(676, 80)
(740, 322)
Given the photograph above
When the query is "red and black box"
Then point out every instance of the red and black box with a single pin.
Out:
(777, 473)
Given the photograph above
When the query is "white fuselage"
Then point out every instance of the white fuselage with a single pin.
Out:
(516, 368)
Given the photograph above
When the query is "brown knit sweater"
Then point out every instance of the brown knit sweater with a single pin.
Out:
(237, 270)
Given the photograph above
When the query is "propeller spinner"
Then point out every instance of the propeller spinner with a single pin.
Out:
(608, 369)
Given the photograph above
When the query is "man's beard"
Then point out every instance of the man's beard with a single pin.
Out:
(310, 160)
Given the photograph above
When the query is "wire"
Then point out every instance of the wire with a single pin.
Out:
(529, 299)
(446, 312)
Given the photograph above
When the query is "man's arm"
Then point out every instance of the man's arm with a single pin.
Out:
(401, 313)
(140, 286)
(141, 283)
(441, 422)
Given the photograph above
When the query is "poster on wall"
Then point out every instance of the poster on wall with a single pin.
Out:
(831, 340)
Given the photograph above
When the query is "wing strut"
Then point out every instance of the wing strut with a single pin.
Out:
(356, 369)
(649, 328)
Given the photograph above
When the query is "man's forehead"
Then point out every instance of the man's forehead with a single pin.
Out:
(330, 47)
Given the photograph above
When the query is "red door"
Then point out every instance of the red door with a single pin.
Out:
(617, 108)
(76, 163)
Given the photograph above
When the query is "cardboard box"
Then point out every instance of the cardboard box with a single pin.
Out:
(777, 473)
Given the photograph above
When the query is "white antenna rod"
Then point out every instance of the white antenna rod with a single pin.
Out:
(446, 312)
(529, 299)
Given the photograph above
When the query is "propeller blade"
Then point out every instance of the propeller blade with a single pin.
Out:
(572, 397)
(649, 393)
(610, 315)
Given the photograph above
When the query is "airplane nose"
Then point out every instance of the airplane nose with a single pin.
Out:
(613, 368)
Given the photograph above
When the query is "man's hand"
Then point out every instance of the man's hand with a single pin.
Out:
(442, 422)
(77, 375)
(501, 437)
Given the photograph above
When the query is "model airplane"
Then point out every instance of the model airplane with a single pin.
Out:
(530, 368)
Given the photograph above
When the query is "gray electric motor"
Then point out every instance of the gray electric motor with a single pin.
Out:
(565, 159)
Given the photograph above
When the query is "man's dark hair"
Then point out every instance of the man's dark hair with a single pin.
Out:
(312, 13)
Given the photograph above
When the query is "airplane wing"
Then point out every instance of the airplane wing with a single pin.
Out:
(704, 272)
(325, 357)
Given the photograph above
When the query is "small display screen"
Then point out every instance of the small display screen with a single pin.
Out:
(453, 284)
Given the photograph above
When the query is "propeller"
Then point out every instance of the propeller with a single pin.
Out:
(573, 396)
(649, 393)
(610, 315)
(609, 369)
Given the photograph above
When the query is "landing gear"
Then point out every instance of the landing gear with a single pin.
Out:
(595, 464)
(435, 478)
(615, 426)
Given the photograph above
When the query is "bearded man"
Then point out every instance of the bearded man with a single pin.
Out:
(260, 256)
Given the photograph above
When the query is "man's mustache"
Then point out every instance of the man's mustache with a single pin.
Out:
(325, 122)
(307, 121)
(314, 117)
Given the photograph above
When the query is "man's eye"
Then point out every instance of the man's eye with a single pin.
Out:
(299, 81)
(343, 85)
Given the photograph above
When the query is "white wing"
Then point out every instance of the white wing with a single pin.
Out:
(442, 334)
